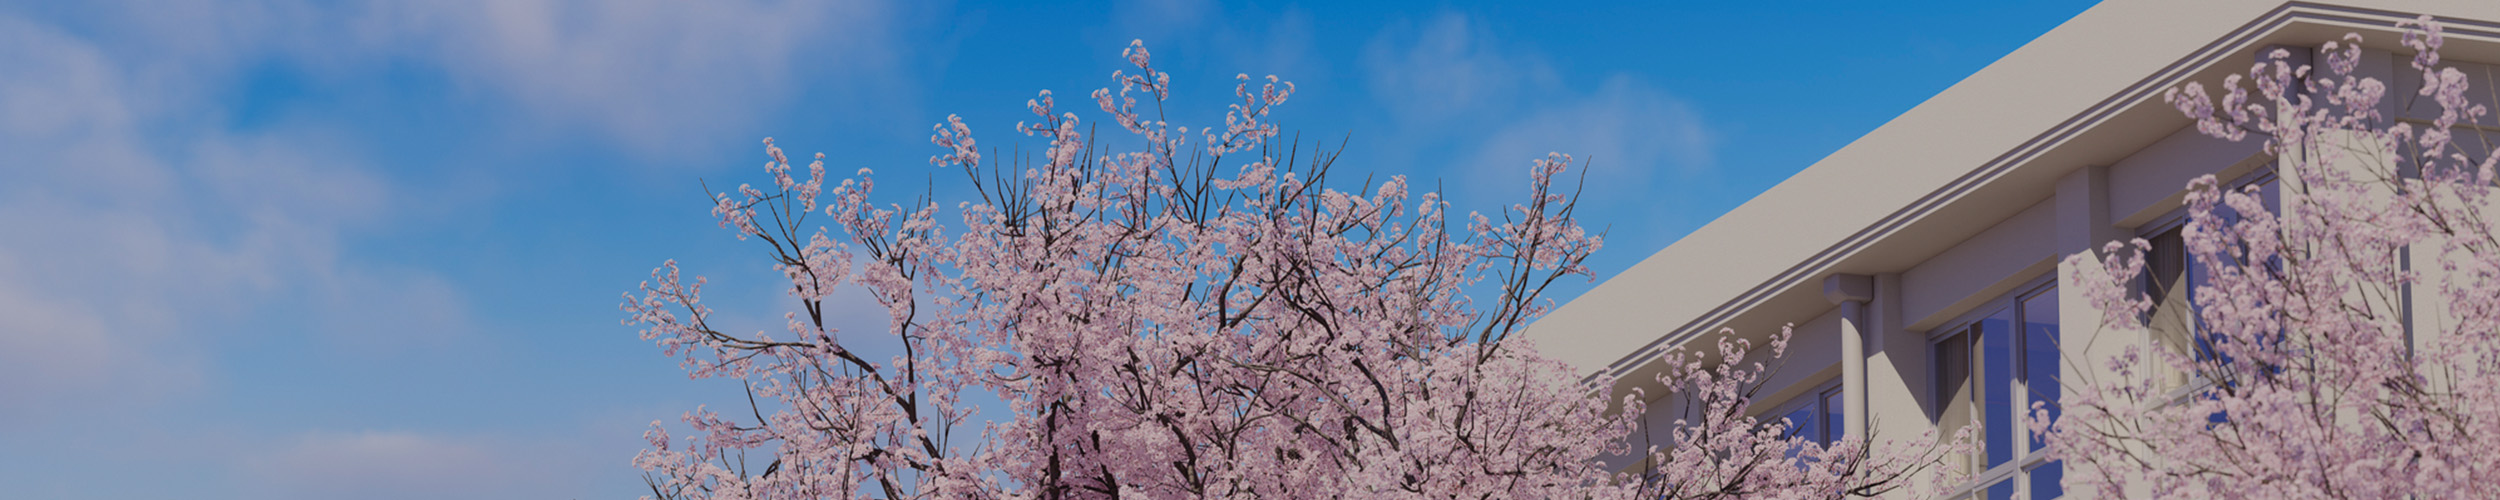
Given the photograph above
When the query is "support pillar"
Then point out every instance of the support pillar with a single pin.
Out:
(1851, 292)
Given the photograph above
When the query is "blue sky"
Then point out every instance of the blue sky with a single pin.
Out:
(279, 249)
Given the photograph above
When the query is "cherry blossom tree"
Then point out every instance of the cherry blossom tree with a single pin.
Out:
(1717, 450)
(1201, 315)
(2317, 361)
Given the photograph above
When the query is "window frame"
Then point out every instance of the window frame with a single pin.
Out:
(1818, 400)
(2017, 469)
(2190, 384)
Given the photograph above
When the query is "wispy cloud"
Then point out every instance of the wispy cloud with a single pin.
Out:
(1157, 21)
(1224, 39)
(1628, 132)
(390, 465)
(1450, 69)
(92, 269)
(50, 351)
(647, 72)
(141, 223)
(1450, 85)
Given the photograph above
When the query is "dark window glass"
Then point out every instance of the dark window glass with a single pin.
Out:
(1834, 423)
(2166, 284)
(1989, 375)
(2003, 490)
(2164, 264)
(1997, 402)
(1801, 422)
(2046, 481)
(1952, 369)
(2040, 357)
(1953, 387)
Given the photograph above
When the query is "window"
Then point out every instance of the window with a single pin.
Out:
(2171, 277)
(1815, 415)
(2165, 283)
(1988, 372)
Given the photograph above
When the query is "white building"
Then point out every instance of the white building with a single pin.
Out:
(1921, 263)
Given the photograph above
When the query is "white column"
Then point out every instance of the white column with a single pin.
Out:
(2084, 223)
(1851, 291)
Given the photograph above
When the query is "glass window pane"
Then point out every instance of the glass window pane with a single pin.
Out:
(2197, 272)
(2164, 265)
(2046, 481)
(1801, 421)
(1996, 368)
(1953, 391)
(1953, 370)
(2040, 355)
(2166, 284)
(1835, 422)
(2003, 490)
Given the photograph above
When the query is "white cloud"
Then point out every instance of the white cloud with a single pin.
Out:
(50, 351)
(1280, 46)
(74, 235)
(1627, 133)
(61, 95)
(642, 75)
(1157, 21)
(386, 311)
(139, 227)
(647, 72)
(388, 465)
(130, 249)
(1448, 69)
(1451, 86)
(143, 237)
(1224, 40)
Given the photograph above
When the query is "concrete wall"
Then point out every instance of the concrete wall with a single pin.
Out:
(1981, 268)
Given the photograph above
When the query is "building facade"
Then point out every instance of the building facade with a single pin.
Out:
(1922, 265)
